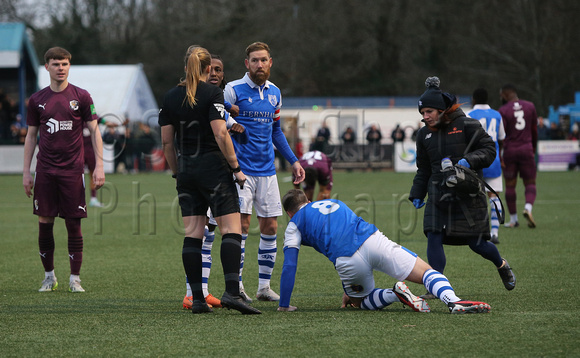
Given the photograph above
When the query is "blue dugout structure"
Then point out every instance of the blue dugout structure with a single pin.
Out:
(571, 110)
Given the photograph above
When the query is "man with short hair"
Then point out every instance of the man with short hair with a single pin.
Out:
(58, 113)
(259, 102)
(521, 129)
(490, 120)
(357, 248)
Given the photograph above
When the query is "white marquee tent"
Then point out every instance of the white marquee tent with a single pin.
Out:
(117, 90)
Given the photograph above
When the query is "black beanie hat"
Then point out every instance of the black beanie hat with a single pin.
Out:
(433, 97)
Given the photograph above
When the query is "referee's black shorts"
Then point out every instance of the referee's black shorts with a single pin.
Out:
(205, 180)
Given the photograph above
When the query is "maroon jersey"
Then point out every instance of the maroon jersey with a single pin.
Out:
(520, 124)
(60, 118)
(322, 166)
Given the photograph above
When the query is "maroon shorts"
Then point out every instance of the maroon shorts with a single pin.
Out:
(519, 160)
(59, 195)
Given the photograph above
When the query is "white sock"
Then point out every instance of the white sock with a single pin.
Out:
(528, 207)
(74, 278)
(438, 285)
(243, 243)
(266, 259)
(206, 261)
(379, 299)
(48, 274)
(494, 215)
(513, 218)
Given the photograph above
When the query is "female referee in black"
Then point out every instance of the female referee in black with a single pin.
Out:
(200, 153)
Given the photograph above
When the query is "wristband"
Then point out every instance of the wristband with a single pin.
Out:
(174, 176)
(236, 170)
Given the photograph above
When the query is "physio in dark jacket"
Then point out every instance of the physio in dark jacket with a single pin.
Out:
(453, 217)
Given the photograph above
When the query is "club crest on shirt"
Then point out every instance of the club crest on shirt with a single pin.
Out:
(74, 105)
(273, 100)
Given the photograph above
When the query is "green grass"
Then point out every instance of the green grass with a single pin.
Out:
(134, 279)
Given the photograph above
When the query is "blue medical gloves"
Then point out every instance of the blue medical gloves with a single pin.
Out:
(418, 203)
(464, 163)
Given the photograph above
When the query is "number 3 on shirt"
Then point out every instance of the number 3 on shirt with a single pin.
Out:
(325, 206)
(520, 121)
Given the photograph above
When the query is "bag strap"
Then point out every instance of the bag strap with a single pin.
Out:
(501, 213)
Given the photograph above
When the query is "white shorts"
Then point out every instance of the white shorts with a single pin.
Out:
(211, 218)
(377, 253)
(263, 193)
(495, 183)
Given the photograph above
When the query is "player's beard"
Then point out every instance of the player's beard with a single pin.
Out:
(260, 78)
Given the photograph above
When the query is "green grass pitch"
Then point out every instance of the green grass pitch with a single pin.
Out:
(135, 283)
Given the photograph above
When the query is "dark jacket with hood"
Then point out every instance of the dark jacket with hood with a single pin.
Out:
(465, 217)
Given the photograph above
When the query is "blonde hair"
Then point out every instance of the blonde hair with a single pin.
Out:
(197, 59)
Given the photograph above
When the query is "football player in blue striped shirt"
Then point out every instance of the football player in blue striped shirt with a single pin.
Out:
(357, 248)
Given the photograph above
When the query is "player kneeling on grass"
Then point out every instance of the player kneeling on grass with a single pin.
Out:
(356, 248)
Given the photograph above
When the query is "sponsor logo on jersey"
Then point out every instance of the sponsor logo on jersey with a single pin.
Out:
(55, 126)
(258, 116)
(273, 100)
(42, 106)
(52, 125)
(250, 99)
(428, 136)
(74, 105)
(66, 125)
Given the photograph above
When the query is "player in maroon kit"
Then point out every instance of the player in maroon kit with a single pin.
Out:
(318, 168)
(58, 113)
(521, 128)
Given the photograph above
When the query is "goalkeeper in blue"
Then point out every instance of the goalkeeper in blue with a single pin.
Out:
(356, 248)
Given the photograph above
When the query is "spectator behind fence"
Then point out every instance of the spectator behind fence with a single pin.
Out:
(398, 134)
(574, 133)
(322, 137)
(556, 132)
(348, 136)
(543, 130)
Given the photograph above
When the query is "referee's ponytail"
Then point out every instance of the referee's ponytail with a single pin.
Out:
(197, 59)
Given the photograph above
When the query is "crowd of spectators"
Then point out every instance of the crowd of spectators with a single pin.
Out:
(555, 131)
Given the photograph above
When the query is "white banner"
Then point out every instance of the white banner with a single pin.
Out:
(405, 156)
(555, 155)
